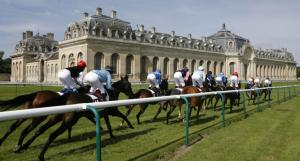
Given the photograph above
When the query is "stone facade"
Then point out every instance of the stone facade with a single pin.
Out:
(103, 40)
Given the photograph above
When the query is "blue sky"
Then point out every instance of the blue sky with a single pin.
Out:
(266, 23)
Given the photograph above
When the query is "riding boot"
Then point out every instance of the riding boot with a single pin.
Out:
(97, 93)
(103, 95)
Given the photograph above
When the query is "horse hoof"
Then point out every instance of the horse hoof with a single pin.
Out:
(41, 158)
(18, 149)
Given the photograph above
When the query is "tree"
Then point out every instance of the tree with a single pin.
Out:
(5, 64)
(298, 72)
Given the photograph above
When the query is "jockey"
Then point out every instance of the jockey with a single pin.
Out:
(98, 79)
(221, 79)
(209, 78)
(234, 80)
(71, 76)
(154, 80)
(198, 77)
(250, 81)
(257, 82)
(180, 76)
(267, 82)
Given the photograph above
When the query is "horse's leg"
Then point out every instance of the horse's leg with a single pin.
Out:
(11, 129)
(35, 122)
(51, 122)
(142, 110)
(117, 113)
(217, 100)
(64, 126)
(106, 118)
(172, 108)
(161, 105)
(200, 104)
(127, 114)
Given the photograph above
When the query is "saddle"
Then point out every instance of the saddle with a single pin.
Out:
(155, 92)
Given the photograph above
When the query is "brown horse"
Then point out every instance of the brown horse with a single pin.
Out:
(70, 119)
(146, 93)
(32, 100)
(194, 102)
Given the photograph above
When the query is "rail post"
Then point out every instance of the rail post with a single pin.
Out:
(186, 120)
(244, 105)
(289, 92)
(223, 109)
(294, 90)
(98, 131)
(258, 100)
(283, 93)
(278, 95)
(269, 97)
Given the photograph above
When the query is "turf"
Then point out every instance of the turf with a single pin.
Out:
(148, 141)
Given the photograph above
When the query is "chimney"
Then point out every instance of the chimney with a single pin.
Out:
(29, 34)
(223, 26)
(113, 14)
(189, 36)
(153, 29)
(173, 33)
(99, 11)
(50, 36)
(142, 28)
(24, 35)
(85, 14)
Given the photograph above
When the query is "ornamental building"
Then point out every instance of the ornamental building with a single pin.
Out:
(102, 40)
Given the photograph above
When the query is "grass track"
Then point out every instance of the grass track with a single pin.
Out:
(148, 141)
(272, 135)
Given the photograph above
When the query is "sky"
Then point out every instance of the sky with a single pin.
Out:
(266, 23)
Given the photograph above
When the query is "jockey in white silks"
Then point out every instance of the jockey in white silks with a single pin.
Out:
(98, 79)
(180, 76)
(198, 77)
(234, 80)
(71, 76)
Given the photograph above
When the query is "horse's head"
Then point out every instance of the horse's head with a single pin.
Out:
(124, 86)
(164, 85)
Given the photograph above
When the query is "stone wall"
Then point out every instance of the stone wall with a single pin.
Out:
(4, 77)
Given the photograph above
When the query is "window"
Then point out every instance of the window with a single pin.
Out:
(98, 60)
(115, 63)
(231, 67)
(129, 64)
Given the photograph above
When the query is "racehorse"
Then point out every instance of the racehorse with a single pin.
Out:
(252, 95)
(268, 91)
(234, 97)
(146, 93)
(29, 101)
(71, 118)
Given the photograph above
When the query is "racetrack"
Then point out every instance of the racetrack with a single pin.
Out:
(148, 141)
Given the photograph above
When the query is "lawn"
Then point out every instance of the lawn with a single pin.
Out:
(148, 141)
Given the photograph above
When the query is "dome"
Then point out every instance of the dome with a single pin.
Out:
(93, 25)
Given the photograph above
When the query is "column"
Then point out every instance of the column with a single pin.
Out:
(136, 67)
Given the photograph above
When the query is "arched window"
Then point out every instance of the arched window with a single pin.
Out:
(176, 64)
(71, 60)
(208, 66)
(55, 70)
(185, 63)
(166, 67)
(193, 66)
(63, 62)
(52, 70)
(222, 67)
(98, 60)
(155, 63)
(231, 67)
(215, 68)
(79, 56)
(129, 64)
(115, 63)
(201, 63)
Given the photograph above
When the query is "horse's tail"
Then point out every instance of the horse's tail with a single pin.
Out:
(17, 101)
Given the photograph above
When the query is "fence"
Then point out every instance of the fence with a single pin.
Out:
(94, 107)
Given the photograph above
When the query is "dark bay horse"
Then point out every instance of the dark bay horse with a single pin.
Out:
(234, 97)
(29, 101)
(71, 118)
(146, 93)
